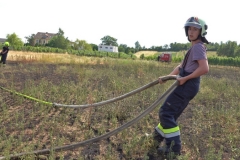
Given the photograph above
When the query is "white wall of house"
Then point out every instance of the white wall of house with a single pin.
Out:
(107, 48)
(41, 41)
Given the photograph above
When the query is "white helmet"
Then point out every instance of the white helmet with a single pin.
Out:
(198, 23)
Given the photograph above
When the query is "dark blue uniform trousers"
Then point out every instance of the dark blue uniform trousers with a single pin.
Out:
(172, 108)
(3, 58)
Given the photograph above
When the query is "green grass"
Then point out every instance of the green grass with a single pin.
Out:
(209, 126)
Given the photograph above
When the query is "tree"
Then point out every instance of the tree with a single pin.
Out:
(30, 40)
(137, 46)
(82, 45)
(59, 41)
(227, 49)
(158, 48)
(94, 47)
(212, 46)
(108, 40)
(14, 40)
(60, 32)
(179, 46)
(237, 51)
(122, 48)
(165, 47)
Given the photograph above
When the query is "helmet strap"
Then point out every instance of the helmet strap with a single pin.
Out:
(199, 37)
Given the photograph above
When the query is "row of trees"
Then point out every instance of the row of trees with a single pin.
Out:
(229, 49)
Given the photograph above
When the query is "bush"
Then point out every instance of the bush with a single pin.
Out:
(142, 56)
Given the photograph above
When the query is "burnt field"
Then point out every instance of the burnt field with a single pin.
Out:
(209, 126)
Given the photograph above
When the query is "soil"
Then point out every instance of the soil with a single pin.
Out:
(14, 72)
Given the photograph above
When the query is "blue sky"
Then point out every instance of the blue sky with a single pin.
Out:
(150, 22)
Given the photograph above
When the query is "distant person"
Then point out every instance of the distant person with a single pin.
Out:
(4, 53)
(194, 65)
(159, 56)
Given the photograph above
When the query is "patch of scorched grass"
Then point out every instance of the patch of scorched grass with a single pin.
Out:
(209, 126)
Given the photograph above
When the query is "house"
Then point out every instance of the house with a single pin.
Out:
(43, 38)
(107, 48)
(2, 40)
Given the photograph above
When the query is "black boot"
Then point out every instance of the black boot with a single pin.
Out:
(157, 137)
(167, 152)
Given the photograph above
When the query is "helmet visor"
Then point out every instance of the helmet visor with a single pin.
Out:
(193, 24)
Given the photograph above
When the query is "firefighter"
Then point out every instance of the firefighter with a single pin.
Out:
(4, 53)
(194, 65)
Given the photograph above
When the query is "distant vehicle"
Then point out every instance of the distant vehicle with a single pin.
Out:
(165, 57)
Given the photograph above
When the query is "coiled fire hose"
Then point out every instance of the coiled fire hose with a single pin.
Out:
(165, 78)
(139, 117)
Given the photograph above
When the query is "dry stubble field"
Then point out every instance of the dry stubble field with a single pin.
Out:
(209, 126)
